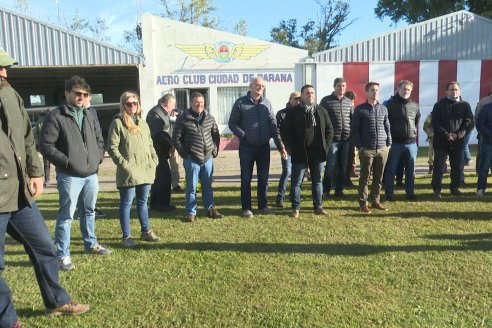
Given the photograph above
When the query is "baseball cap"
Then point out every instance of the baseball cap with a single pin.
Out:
(295, 94)
(6, 60)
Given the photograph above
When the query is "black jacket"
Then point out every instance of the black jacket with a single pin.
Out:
(196, 138)
(449, 116)
(340, 111)
(73, 151)
(294, 133)
(161, 131)
(404, 116)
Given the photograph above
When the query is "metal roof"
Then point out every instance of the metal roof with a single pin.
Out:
(35, 43)
(455, 36)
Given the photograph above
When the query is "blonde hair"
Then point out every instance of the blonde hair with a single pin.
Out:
(127, 119)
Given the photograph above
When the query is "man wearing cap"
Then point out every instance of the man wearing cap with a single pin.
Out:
(294, 99)
(21, 181)
(340, 110)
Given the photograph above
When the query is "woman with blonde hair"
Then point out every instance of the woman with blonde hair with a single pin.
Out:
(130, 146)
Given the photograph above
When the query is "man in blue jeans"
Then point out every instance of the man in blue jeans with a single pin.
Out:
(307, 135)
(22, 180)
(484, 127)
(196, 139)
(340, 110)
(403, 116)
(72, 140)
(253, 122)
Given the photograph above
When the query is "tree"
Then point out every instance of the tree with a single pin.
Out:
(316, 35)
(21, 6)
(241, 27)
(414, 11)
(195, 12)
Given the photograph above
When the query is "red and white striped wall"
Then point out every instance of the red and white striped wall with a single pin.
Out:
(429, 77)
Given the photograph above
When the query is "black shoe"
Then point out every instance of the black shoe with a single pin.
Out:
(99, 214)
(412, 197)
(279, 203)
(390, 198)
(455, 192)
(165, 208)
(399, 184)
(437, 194)
(339, 194)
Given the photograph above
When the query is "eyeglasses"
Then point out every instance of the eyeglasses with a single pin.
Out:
(80, 94)
(131, 103)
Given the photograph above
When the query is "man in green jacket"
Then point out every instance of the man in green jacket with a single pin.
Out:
(21, 176)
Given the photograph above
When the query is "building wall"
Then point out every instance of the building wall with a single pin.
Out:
(181, 56)
(429, 77)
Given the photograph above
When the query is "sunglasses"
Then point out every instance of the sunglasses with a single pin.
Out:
(6, 67)
(131, 103)
(80, 94)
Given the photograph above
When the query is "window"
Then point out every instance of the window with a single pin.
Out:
(97, 99)
(225, 99)
(37, 100)
(183, 100)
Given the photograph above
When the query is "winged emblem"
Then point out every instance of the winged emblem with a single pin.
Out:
(223, 52)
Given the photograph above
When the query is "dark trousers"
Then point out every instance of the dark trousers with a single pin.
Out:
(455, 153)
(160, 192)
(248, 156)
(27, 227)
(46, 166)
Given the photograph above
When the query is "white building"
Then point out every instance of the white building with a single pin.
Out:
(181, 58)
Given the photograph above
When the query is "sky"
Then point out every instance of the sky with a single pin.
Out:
(260, 15)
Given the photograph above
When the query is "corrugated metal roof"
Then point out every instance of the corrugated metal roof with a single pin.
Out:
(35, 43)
(459, 35)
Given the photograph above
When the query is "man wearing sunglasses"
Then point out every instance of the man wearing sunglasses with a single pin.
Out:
(21, 181)
(72, 140)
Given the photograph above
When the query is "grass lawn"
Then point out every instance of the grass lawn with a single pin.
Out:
(421, 264)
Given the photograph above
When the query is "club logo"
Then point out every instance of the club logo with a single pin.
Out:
(223, 52)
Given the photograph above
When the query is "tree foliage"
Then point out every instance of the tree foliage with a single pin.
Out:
(315, 35)
(197, 12)
(241, 27)
(414, 11)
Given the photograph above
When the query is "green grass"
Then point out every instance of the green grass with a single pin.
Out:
(421, 264)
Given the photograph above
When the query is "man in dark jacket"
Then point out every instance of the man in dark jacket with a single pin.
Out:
(196, 138)
(404, 116)
(484, 128)
(22, 180)
(72, 140)
(452, 121)
(340, 110)
(307, 135)
(253, 122)
(161, 130)
(372, 137)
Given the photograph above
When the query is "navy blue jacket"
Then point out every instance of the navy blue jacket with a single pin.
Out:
(484, 123)
(254, 124)
(371, 127)
(340, 111)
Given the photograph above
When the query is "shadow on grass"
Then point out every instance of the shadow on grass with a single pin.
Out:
(327, 249)
(454, 215)
(461, 236)
(29, 312)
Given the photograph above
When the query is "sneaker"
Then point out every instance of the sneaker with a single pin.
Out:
(320, 211)
(99, 214)
(214, 214)
(66, 264)
(294, 214)
(455, 192)
(71, 308)
(437, 194)
(480, 192)
(266, 211)
(247, 214)
(128, 242)
(378, 206)
(16, 325)
(97, 250)
(149, 236)
(365, 209)
(189, 218)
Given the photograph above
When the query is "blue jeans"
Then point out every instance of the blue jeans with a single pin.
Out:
(27, 227)
(397, 153)
(336, 164)
(193, 172)
(316, 166)
(75, 192)
(248, 156)
(284, 178)
(485, 162)
(126, 200)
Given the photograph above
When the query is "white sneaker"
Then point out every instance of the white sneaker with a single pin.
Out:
(247, 214)
(66, 263)
(480, 192)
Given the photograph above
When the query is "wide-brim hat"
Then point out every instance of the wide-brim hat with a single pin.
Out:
(6, 60)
